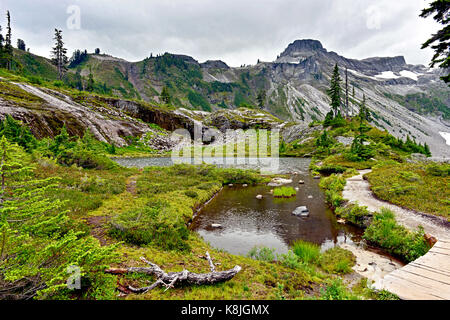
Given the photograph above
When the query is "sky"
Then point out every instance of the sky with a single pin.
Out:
(235, 31)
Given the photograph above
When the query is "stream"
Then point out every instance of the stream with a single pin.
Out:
(246, 222)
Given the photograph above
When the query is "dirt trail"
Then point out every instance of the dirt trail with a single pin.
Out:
(98, 222)
(358, 190)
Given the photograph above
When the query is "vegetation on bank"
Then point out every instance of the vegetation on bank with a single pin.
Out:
(381, 228)
(418, 186)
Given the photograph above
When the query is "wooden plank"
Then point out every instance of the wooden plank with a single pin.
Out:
(427, 278)
(407, 290)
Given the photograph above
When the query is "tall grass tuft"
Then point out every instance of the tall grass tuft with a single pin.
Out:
(307, 252)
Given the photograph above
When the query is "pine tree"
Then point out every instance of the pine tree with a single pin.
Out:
(335, 92)
(439, 42)
(261, 98)
(21, 45)
(90, 84)
(59, 54)
(346, 93)
(165, 95)
(8, 49)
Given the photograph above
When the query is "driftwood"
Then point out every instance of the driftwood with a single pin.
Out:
(169, 280)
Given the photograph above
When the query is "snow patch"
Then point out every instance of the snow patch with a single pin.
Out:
(387, 75)
(446, 136)
(409, 74)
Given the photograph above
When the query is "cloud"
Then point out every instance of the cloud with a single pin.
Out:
(236, 31)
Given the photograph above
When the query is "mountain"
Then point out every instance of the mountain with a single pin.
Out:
(404, 99)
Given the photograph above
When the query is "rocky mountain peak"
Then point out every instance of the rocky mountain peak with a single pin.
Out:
(303, 46)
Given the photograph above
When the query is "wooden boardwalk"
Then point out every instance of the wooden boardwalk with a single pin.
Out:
(427, 278)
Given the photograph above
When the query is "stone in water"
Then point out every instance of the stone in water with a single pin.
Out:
(301, 212)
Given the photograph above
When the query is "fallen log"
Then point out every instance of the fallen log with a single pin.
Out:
(171, 279)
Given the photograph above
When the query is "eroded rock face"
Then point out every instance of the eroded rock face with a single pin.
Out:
(46, 118)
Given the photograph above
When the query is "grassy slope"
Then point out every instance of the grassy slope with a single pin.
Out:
(410, 185)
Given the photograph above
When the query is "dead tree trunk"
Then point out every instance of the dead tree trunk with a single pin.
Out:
(169, 280)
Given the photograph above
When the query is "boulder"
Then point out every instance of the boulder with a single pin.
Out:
(278, 182)
(301, 182)
(216, 226)
(301, 212)
(259, 197)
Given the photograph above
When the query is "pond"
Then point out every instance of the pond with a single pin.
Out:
(247, 222)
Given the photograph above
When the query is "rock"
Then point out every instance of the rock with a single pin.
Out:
(341, 221)
(317, 177)
(259, 197)
(310, 197)
(230, 185)
(245, 185)
(216, 226)
(431, 241)
(295, 173)
(301, 212)
(297, 189)
(301, 182)
(278, 182)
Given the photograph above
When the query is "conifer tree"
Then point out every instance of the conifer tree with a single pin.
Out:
(59, 54)
(439, 42)
(8, 49)
(335, 92)
(261, 98)
(21, 45)
(165, 95)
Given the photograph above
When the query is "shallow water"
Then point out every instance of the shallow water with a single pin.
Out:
(247, 222)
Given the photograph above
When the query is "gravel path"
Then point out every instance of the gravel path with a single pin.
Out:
(358, 190)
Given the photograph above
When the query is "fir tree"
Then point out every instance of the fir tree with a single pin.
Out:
(21, 45)
(335, 92)
(261, 98)
(439, 42)
(90, 83)
(8, 49)
(165, 95)
(59, 54)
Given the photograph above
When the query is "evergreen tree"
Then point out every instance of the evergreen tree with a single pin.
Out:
(59, 54)
(439, 42)
(335, 92)
(21, 45)
(353, 93)
(97, 51)
(165, 95)
(359, 149)
(91, 82)
(261, 98)
(8, 49)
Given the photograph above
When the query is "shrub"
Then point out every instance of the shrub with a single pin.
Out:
(438, 170)
(262, 254)
(86, 159)
(151, 225)
(306, 251)
(396, 239)
(337, 260)
(191, 194)
(330, 169)
(335, 291)
(355, 214)
(289, 260)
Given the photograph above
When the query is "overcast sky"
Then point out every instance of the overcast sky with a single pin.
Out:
(235, 31)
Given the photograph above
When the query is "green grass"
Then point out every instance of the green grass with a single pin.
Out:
(338, 261)
(284, 192)
(394, 238)
(306, 251)
(418, 186)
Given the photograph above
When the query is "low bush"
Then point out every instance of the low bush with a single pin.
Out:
(262, 254)
(386, 233)
(157, 225)
(355, 214)
(337, 260)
